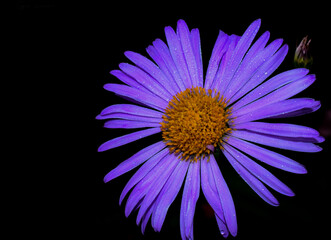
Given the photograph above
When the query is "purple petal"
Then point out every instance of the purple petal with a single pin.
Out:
(249, 66)
(219, 49)
(129, 124)
(270, 85)
(171, 161)
(119, 141)
(137, 95)
(168, 194)
(279, 94)
(144, 185)
(271, 158)
(129, 117)
(153, 70)
(196, 45)
(252, 181)
(264, 71)
(285, 108)
(131, 109)
(225, 196)
(134, 161)
(143, 170)
(258, 46)
(189, 199)
(145, 80)
(239, 52)
(259, 172)
(164, 52)
(302, 133)
(176, 51)
(146, 217)
(274, 141)
(185, 39)
(222, 227)
(154, 54)
(128, 80)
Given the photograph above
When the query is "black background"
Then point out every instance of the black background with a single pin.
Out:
(64, 52)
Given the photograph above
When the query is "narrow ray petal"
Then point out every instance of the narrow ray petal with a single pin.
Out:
(134, 161)
(259, 172)
(119, 141)
(190, 196)
(285, 108)
(168, 194)
(270, 85)
(269, 157)
(129, 117)
(196, 45)
(137, 95)
(252, 181)
(129, 124)
(153, 70)
(277, 142)
(142, 171)
(222, 226)
(132, 109)
(226, 198)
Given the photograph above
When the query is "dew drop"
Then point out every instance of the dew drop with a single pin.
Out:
(222, 232)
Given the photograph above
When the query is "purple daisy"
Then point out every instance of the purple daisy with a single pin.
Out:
(200, 114)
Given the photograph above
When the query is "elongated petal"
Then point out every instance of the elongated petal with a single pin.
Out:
(129, 124)
(128, 80)
(225, 196)
(134, 161)
(190, 196)
(147, 81)
(176, 51)
(168, 194)
(222, 226)
(137, 95)
(252, 181)
(185, 39)
(269, 157)
(128, 117)
(119, 141)
(156, 187)
(285, 108)
(270, 85)
(196, 45)
(301, 133)
(264, 71)
(142, 188)
(258, 171)
(153, 70)
(131, 109)
(164, 52)
(279, 94)
(277, 142)
(142, 171)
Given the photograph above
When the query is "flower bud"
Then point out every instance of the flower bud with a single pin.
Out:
(302, 56)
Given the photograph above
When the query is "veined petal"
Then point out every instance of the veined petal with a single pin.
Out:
(219, 49)
(239, 52)
(128, 80)
(127, 116)
(252, 181)
(190, 196)
(129, 124)
(150, 100)
(269, 157)
(155, 188)
(176, 51)
(258, 171)
(277, 142)
(134, 161)
(302, 133)
(185, 39)
(142, 171)
(132, 109)
(222, 226)
(168, 194)
(270, 85)
(164, 52)
(119, 141)
(147, 81)
(264, 71)
(225, 196)
(153, 70)
(279, 94)
(196, 45)
(286, 108)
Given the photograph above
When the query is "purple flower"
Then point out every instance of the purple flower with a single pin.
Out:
(199, 114)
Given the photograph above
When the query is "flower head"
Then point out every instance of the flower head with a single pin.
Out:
(198, 113)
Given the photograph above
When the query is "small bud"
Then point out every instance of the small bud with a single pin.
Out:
(302, 56)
